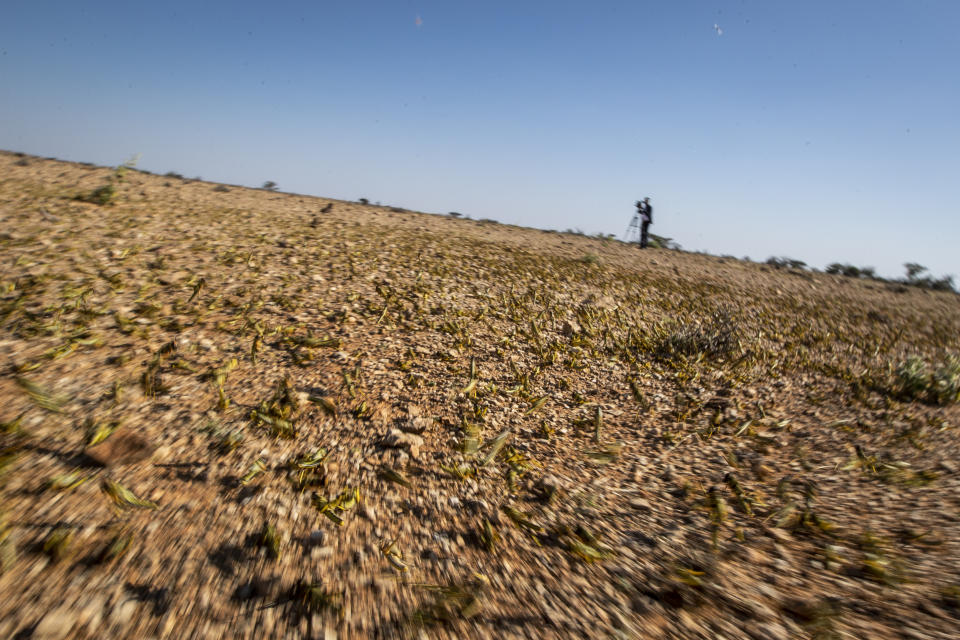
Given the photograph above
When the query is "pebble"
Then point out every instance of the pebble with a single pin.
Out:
(123, 613)
(55, 625)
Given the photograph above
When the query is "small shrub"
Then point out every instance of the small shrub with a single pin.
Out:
(101, 196)
(363, 201)
(589, 258)
(220, 188)
(717, 337)
(454, 214)
(270, 185)
(22, 162)
(914, 380)
(946, 382)
(660, 242)
(174, 174)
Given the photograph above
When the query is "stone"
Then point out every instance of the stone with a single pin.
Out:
(398, 439)
(123, 613)
(570, 328)
(55, 625)
(122, 448)
(600, 302)
(416, 425)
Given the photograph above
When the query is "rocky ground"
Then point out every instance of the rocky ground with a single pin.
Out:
(236, 413)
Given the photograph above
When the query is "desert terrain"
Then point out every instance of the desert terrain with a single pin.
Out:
(238, 413)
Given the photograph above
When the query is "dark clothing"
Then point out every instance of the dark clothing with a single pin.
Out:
(646, 219)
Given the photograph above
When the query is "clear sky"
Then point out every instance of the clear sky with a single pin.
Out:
(823, 131)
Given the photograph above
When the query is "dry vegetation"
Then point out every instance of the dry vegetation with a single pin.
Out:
(245, 414)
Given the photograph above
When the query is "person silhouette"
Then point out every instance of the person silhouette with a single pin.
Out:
(645, 210)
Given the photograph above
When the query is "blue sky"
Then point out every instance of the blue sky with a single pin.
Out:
(823, 131)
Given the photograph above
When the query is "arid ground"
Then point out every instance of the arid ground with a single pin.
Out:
(236, 413)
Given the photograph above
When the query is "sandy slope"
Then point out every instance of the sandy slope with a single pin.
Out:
(549, 435)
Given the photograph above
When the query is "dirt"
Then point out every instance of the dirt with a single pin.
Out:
(371, 422)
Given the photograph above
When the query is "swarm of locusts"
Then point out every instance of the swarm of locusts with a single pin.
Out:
(243, 413)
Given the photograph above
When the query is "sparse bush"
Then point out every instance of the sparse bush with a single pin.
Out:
(108, 193)
(916, 279)
(589, 258)
(174, 174)
(454, 214)
(784, 262)
(946, 382)
(270, 185)
(851, 271)
(22, 162)
(487, 221)
(717, 337)
(221, 188)
(660, 242)
(363, 201)
(914, 380)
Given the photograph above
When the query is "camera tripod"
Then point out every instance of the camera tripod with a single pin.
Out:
(633, 232)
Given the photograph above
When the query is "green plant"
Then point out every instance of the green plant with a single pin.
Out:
(946, 382)
(661, 242)
(717, 336)
(914, 380)
(589, 258)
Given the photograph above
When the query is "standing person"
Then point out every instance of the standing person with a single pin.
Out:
(646, 219)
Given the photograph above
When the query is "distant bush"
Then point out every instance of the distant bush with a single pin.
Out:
(221, 188)
(851, 271)
(916, 278)
(173, 174)
(916, 380)
(487, 221)
(363, 201)
(454, 214)
(783, 262)
(269, 185)
(22, 162)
